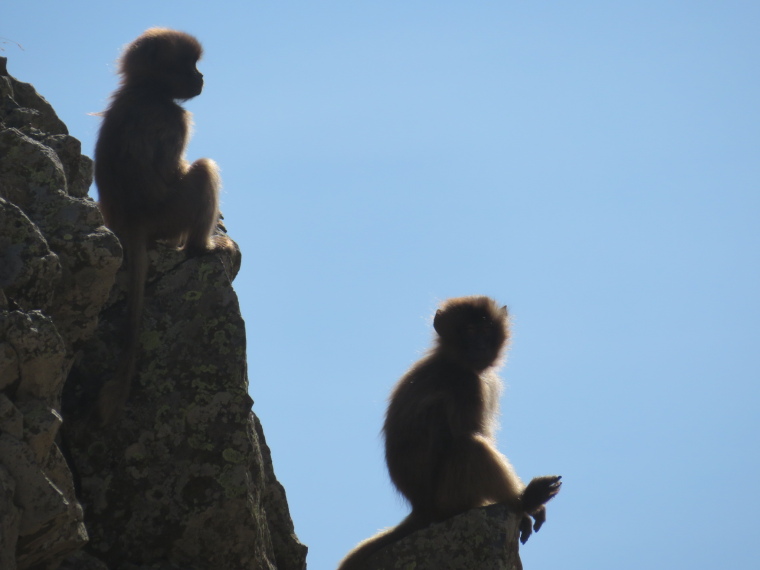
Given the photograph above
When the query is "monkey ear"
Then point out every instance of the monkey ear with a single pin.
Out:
(504, 310)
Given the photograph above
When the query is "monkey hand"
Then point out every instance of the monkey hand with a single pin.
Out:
(538, 492)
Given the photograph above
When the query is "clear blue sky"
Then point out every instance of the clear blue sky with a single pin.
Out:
(594, 165)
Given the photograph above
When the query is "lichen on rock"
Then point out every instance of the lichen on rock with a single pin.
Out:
(485, 538)
(185, 444)
(57, 264)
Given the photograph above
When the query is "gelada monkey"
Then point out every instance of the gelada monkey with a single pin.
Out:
(439, 430)
(147, 190)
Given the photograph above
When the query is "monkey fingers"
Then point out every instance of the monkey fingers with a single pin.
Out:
(526, 528)
(539, 516)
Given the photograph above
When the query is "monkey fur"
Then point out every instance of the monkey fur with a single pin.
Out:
(147, 190)
(439, 430)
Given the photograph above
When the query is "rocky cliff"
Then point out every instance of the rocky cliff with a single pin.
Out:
(484, 539)
(184, 479)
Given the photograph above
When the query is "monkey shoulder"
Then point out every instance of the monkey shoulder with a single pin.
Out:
(141, 140)
(143, 116)
(433, 390)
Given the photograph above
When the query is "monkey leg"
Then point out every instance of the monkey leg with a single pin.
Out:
(476, 474)
(195, 206)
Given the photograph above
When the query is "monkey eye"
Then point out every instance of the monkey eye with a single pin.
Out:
(187, 62)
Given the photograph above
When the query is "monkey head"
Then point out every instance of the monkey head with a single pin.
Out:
(473, 330)
(163, 61)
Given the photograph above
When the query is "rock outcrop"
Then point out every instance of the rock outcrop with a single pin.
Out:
(183, 479)
(57, 265)
(484, 538)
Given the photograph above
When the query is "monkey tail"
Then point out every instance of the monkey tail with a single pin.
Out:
(115, 393)
(357, 558)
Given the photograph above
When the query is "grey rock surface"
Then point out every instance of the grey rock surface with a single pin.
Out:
(482, 539)
(57, 265)
(179, 478)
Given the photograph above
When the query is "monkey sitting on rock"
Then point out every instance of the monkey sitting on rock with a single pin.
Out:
(439, 441)
(147, 190)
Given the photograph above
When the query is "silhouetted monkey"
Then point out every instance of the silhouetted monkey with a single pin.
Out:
(439, 440)
(147, 190)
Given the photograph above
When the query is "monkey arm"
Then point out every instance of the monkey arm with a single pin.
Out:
(153, 145)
